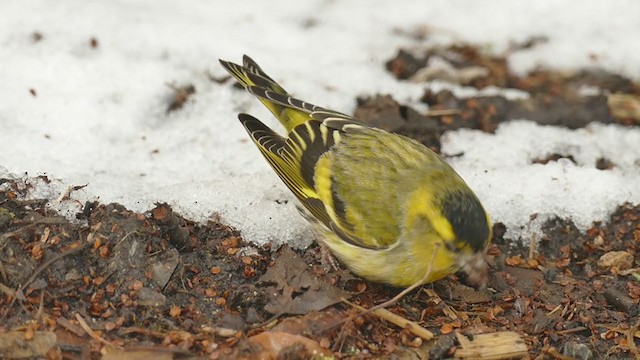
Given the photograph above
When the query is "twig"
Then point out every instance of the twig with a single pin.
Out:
(69, 326)
(47, 263)
(555, 309)
(533, 241)
(132, 349)
(571, 331)
(3, 273)
(88, 330)
(31, 202)
(51, 220)
(446, 309)
(553, 352)
(40, 306)
(31, 223)
(532, 247)
(443, 112)
(398, 320)
(632, 341)
(143, 331)
(126, 236)
(271, 322)
(7, 290)
(65, 194)
(20, 294)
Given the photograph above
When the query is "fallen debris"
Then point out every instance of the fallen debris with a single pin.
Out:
(120, 285)
(494, 346)
(21, 345)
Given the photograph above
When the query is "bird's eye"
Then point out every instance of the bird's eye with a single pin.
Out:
(450, 245)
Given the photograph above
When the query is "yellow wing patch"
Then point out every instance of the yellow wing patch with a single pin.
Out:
(293, 159)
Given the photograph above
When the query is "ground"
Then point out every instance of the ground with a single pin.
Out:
(123, 285)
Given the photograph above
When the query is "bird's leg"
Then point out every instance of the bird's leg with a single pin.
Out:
(418, 283)
(327, 259)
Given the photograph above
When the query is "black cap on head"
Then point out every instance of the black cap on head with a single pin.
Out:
(467, 218)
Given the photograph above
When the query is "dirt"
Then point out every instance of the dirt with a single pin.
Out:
(117, 284)
(571, 99)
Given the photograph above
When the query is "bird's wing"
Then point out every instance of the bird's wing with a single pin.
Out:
(305, 163)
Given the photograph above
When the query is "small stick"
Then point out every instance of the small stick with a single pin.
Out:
(47, 263)
(67, 325)
(40, 306)
(632, 341)
(398, 320)
(573, 330)
(532, 242)
(20, 294)
(554, 353)
(126, 236)
(143, 331)
(9, 292)
(443, 112)
(88, 330)
(3, 273)
(532, 247)
(65, 194)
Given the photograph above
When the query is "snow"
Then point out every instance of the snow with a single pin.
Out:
(99, 115)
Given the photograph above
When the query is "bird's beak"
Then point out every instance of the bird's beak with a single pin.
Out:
(476, 269)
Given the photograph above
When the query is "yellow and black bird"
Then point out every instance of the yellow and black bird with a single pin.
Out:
(380, 201)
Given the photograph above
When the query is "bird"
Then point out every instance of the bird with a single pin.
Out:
(386, 206)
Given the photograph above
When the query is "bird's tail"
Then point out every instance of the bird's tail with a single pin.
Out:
(270, 93)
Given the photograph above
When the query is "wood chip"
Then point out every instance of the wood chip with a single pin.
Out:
(493, 346)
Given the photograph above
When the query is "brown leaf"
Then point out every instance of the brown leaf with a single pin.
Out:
(275, 345)
(295, 288)
(469, 294)
(621, 260)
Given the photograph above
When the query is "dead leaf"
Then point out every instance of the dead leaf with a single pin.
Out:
(295, 289)
(312, 323)
(621, 260)
(276, 345)
(469, 294)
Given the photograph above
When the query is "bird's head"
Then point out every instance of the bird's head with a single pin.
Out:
(464, 227)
